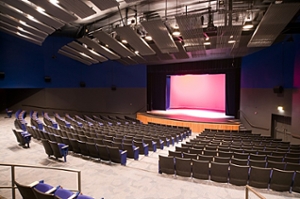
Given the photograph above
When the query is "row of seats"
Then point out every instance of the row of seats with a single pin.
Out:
(274, 156)
(276, 179)
(41, 190)
(97, 151)
(270, 162)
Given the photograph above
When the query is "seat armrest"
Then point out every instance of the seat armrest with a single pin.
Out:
(145, 145)
(125, 151)
(64, 147)
(52, 190)
(33, 183)
(73, 196)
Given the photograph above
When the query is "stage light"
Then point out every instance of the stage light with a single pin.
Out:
(148, 37)
(248, 25)
(176, 32)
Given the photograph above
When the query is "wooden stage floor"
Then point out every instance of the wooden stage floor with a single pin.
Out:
(197, 120)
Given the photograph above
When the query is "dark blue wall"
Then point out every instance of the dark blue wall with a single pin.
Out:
(270, 67)
(25, 65)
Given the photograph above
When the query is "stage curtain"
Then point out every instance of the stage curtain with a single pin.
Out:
(157, 75)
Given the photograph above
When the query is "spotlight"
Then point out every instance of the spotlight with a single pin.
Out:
(148, 37)
(176, 32)
(248, 25)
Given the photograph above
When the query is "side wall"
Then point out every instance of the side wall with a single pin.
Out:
(261, 72)
(25, 65)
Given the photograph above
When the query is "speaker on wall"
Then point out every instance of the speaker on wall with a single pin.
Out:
(47, 79)
(2, 75)
(82, 84)
(278, 89)
(113, 88)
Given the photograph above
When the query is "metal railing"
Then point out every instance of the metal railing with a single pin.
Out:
(250, 189)
(252, 125)
(12, 171)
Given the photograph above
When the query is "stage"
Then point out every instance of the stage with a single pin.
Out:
(196, 119)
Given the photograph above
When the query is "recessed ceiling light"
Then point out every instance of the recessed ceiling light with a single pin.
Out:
(206, 38)
(124, 41)
(148, 37)
(206, 43)
(231, 41)
(248, 25)
(176, 33)
(136, 52)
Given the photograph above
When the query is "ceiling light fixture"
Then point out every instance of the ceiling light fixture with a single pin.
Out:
(136, 52)
(231, 41)
(206, 43)
(248, 25)
(148, 37)
(176, 32)
(280, 109)
(54, 2)
(124, 41)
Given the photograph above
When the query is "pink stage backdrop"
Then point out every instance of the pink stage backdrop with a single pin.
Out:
(198, 92)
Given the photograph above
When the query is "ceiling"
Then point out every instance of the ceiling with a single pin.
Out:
(119, 29)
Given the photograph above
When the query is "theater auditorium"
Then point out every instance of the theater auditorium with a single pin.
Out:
(149, 99)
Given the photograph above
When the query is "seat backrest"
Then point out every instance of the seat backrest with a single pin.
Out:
(259, 177)
(25, 191)
(166, 165)
(40, 195)
(281, 180)
(103, 152)
(47, 147)
(55, 149)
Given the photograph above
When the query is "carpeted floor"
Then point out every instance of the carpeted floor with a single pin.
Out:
(138, 179)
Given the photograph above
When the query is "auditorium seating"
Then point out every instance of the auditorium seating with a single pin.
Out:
(58, 150)
(23, 138)
(41, 190)
(27, 191)
(8, 112)
(264, 160)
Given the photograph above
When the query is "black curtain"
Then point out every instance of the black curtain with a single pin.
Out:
(157, 74)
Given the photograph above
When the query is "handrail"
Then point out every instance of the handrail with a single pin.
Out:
(254, 191)
(253, 126)
(290, 133)
(12, 166)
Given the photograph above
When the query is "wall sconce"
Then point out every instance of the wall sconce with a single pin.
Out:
(280, 108)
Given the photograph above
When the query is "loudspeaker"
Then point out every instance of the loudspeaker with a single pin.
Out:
(278, 89)
(82, 84)
(2, 75)
(113, 88)
(47, 79)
